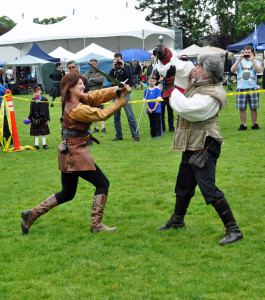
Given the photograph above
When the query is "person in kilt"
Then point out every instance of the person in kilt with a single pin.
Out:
(40, 117)
(57, 76)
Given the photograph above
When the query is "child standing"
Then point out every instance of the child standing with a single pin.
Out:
(40, 117)
(153, 108)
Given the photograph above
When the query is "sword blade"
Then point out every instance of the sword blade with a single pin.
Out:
(115, 81)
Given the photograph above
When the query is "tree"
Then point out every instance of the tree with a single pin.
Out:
(226, 17)
(49, 20)
(235, 20)
(6, 24)
(194, 22)
(162, 12)
(189, 16)
(250, 13)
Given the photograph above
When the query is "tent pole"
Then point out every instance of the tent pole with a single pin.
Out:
(42, 80)
(119, 44)
(143, 38)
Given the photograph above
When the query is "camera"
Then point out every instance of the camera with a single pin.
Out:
(246, 56)
(118, 63)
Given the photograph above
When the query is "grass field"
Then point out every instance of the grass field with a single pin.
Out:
(61, 259)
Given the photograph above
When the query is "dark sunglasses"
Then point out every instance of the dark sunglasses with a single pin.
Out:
(71, 67)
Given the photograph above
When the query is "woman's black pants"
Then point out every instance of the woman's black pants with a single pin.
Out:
(70, 182)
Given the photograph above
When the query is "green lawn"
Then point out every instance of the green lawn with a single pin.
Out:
(61, 259)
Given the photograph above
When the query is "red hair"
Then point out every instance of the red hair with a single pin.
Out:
(69, 81)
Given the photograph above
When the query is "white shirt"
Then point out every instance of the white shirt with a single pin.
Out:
(194, 109)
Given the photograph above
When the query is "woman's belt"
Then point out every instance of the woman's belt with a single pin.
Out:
(82, 139)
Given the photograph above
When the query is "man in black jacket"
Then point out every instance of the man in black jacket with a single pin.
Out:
(57, 76)
(122, 73)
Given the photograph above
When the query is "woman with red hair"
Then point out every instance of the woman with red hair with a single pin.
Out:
(79, 110)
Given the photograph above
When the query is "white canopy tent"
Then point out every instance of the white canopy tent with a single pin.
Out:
(217, 50)
(94, 48)
(194, 51)
(29, 60)
(62, 53)
(9, 53)
(128, 29)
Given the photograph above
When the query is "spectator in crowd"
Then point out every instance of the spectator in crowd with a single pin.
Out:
(40, 117)
(153, 108)
(137, 74)
(121, 72)
(152, 67)
(57, 76)
(247, 68)
(227, 64)
(9, 74)
(95, 82)
(72, 67)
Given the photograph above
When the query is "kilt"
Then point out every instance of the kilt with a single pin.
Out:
(41, 129)
(56, 90)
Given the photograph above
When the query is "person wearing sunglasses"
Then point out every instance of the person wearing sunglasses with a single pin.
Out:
(72, 68)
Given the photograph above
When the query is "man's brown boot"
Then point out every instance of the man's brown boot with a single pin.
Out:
(99, 202)
(30, 216)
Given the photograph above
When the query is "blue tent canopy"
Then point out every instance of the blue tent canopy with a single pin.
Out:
(36, 51)
(104, 64)
(249, 40)
(138, 54)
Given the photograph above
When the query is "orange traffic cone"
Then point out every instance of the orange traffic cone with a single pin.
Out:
(9, 99)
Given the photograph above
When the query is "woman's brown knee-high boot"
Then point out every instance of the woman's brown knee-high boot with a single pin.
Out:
(99, 202)
(30, 216)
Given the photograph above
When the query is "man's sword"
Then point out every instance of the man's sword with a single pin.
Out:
(113, 80)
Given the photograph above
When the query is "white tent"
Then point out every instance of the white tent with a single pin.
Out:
(217, 50)
(62, 53)
(96, 49)
(8, 53)
(27, 60)
(128, 29)
(194, 51)
(43, 65)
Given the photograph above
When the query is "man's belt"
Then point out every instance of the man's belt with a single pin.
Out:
(82, 139)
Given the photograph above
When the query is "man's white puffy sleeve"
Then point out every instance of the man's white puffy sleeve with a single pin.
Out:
(194, 109)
